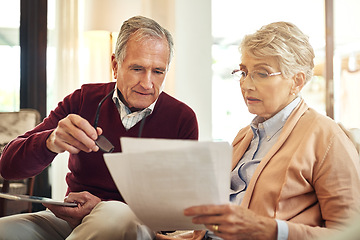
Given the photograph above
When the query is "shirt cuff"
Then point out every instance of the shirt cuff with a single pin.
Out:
(282, 230)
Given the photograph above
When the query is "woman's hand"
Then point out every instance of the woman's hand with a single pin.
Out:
(191, 235)
(74, 215)
(233, 222)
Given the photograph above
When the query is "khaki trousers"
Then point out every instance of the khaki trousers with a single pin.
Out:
(108, 220)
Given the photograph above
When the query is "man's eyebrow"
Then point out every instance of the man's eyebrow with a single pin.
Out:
(132, 66)
(161, 69)
(135, 66)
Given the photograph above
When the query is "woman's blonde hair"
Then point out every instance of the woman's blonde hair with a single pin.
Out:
(285, 42)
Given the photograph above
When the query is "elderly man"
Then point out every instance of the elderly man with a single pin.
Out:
(133, 106)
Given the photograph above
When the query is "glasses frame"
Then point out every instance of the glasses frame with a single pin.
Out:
(102, 142)
(238, 73)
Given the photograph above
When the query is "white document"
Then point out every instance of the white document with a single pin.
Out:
(159, 178)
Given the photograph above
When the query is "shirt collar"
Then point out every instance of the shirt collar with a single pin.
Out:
(116, 100)
(276, 122)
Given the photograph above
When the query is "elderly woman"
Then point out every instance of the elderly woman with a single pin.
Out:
(295, 173)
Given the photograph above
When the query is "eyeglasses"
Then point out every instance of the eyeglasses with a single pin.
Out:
(257, 76)
(102, 142)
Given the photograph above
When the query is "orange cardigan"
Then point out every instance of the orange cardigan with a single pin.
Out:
(310, 177)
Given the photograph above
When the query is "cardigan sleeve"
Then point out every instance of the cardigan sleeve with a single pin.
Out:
(337, 186)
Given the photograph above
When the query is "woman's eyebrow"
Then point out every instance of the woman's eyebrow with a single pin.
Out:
(261, 65)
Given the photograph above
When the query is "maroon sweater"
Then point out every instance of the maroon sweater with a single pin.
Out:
(27, 155)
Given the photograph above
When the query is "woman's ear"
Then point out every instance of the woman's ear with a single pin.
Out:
(299, 82)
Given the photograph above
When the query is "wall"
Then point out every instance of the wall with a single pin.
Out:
(193, 63)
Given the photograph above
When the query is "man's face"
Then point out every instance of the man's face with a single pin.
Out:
(141, 75)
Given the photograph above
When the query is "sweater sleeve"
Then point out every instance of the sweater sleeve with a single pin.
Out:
(27, 155)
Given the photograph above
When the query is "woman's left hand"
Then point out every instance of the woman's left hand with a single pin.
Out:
(233, 222)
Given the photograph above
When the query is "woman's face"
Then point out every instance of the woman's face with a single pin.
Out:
(267, 97)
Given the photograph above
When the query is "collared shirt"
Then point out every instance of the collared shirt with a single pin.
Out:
(128, 118)
(266, 133)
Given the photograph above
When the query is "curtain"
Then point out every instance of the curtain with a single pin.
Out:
(66, 78)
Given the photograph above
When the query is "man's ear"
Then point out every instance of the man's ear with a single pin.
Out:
(114, 65)
(299, 82)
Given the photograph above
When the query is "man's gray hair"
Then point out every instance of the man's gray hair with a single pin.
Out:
(142, 28)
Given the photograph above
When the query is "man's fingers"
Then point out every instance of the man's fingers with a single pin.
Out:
(73, 134)
(83, 125)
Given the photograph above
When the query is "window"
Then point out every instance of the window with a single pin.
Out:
(347, 62)
(233, 19)
(9, 55)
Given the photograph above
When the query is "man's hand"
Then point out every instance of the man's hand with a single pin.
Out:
(73, 134)
(74, 215)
